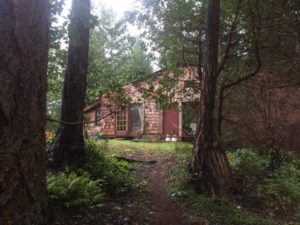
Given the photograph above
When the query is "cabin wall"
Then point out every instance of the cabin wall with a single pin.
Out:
(109, 119)
(153, 114)
(153, 117)
(91, 129)
(104, 127)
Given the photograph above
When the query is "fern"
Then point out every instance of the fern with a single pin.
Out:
(73, 191)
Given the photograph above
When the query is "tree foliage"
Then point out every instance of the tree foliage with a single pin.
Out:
(116, 58)
(57, 57)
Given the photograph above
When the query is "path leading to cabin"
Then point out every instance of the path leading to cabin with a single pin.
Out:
(158, 208)
(168, 211)
(148, 205)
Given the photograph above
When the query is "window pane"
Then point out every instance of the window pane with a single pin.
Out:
(121, 120)
(136, 118)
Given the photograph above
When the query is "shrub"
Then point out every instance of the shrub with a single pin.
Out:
(73, 191)
(248, 167)
(113, 172)
(247, 162)
(280, 191)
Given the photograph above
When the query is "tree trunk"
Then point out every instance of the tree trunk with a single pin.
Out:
(220, 110)
(23, 79)
(68, 148)
(209, 166)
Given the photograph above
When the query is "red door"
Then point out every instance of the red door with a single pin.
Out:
(171, 121)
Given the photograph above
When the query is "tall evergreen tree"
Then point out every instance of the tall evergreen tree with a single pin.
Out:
(68, 148)
(209, 161)
(24, 29)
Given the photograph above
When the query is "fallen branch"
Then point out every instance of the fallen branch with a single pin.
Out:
(135, 160)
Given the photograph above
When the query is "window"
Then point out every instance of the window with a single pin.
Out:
(136, 115)
(121, 121)
(97, 116)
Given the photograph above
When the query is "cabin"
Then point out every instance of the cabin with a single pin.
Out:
(164, 104)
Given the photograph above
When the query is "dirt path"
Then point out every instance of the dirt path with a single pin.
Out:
(153, 205)
(169, 213)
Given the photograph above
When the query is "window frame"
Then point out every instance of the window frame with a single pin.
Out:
(121, 117)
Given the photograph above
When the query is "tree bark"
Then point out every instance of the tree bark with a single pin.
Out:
(220, 110)
(68, 148)
(24, 27)
(209, 166)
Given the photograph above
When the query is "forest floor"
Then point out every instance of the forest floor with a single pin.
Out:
(158, 170)
(150, 204)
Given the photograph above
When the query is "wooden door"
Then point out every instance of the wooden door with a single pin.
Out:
(171, 121)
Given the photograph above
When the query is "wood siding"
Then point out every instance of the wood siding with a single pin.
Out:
(153, 114)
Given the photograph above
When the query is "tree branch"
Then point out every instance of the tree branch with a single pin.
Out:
(229, 42)
(256, 34)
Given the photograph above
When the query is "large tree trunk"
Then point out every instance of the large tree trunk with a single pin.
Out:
(68, 147)
(23, 77)
(209, 165)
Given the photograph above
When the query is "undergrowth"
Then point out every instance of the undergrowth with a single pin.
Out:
(102, 165)
(263, 196)
(73, 191)
(101, 175)
(216, 210)
(277, 192)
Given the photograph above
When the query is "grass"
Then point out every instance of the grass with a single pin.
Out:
(150, 147)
